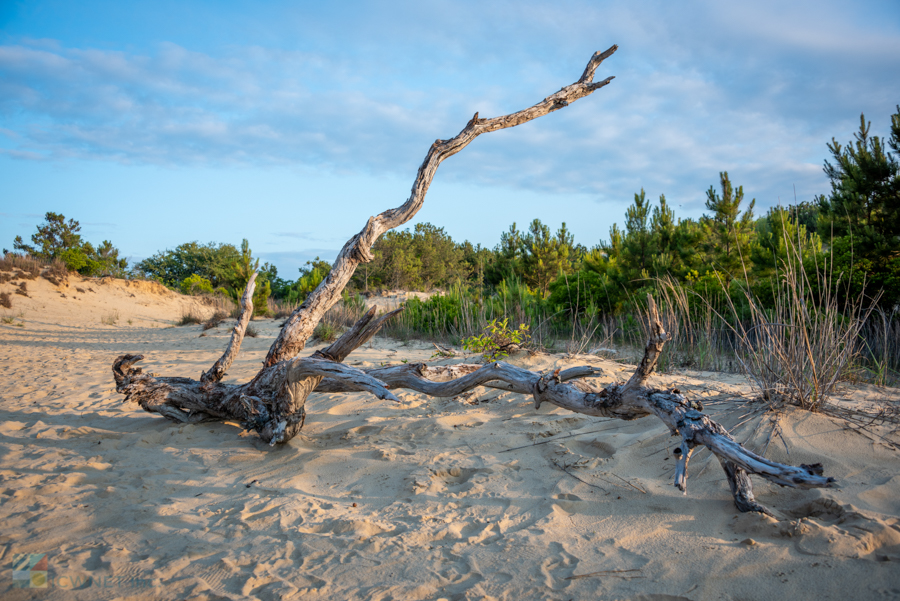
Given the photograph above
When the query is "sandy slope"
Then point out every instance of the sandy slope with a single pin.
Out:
(421, 500)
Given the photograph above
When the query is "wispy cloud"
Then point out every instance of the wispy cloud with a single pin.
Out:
(756, 89)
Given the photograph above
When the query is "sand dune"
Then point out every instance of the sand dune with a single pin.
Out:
(425, 499)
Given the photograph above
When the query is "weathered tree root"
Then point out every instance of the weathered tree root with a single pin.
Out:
(273, 402)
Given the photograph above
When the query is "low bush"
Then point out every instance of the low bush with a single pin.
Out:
(195, 284)
(189, 317)
(213, 322)
(326, 332)
(498, 340)
(21, 263)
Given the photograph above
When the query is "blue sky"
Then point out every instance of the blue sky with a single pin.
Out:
(290, 123)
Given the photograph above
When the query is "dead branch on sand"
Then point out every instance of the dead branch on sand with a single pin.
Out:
(273, 403)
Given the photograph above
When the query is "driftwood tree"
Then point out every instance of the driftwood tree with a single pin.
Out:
(273, 403)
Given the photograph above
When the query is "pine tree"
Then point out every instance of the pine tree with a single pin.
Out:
(729, 232)
(546, 256)
(865, 190)
(662, 228)
(52, 239)
(636, 250)
(863, 212)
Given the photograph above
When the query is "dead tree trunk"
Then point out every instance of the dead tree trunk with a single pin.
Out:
(273, 402)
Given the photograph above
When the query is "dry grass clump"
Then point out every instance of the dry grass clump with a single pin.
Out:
(213, 322)
(22, 289)
(280, 310)
(30, 268)
(189, 317)
(110, 319)
(27, 267)
(798, 351)
(251, 331)
(56, 272)
(5, 300)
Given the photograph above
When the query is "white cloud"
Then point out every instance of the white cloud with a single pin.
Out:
(753, 89)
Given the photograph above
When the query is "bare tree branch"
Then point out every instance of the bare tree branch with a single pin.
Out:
(217, 371)
(300, 325)
(273, 403)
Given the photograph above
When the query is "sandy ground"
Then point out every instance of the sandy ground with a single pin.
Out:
(473, 497)
(389, 300)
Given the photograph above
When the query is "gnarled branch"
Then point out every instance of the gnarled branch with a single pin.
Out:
(300, 325)
(273, 402)
(217, 371)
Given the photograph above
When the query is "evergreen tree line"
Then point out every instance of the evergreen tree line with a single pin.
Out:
(855, 229)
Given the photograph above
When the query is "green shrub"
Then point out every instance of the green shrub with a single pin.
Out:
(195, 284)
(326, 332)
(498, 340)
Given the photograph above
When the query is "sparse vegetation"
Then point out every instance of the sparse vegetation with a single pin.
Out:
(215, 320)
(17, 263)
(498, 340)
(251, 331)
(189, 317)
(326, 331)
(110, 319)
(58, 239)
(5, 300)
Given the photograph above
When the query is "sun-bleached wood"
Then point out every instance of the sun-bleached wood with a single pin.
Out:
(273, 403)
(300, 325)
(217, 371)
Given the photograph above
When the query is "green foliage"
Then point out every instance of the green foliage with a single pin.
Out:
(545, 256)
(196, 284)
(497, 340)
(863, 211)
(53, 238)
(59, 239)
(637, 242)
(729, 233)
(211, 261)
(311, 275)
(326, 332)
(414, 260)
(241, 270)
(261, 297)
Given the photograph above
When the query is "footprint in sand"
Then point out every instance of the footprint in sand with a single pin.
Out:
(824, 527)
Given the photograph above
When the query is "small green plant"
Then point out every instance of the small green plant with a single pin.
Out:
(354, 302)
(129, 322)
(8, 320)
(497, 340)
(325, 332)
